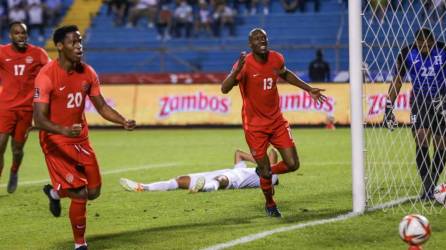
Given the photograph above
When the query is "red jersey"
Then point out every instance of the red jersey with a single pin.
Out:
(257, 82)
(65, 92)
(17, 72)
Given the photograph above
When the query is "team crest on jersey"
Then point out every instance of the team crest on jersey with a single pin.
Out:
(29, 60)
(36, 92)
(69, 178)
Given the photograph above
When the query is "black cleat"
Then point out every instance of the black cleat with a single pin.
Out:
(273, 212)
(12, 184)
(54, 204)
(82, 248)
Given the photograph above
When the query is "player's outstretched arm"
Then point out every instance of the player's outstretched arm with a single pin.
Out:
(293, 79)
(109, 114)
(41, 121)
(231, 79)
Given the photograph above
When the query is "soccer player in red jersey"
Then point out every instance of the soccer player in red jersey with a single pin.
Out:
(256, 73)
(19, 64)
(59, 99)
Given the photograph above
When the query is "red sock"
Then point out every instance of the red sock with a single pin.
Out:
(78, 219)
(280, 168)
(268, 191)
(15, 167)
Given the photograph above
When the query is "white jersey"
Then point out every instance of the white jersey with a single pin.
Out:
(239, 177)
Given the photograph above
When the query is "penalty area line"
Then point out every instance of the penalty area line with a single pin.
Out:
(109, 172)
(256, 236)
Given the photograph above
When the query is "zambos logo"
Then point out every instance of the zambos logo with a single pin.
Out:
(377, 103)
(198, 102)
(304, 102)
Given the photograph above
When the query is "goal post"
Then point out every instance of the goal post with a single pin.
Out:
(357, 129)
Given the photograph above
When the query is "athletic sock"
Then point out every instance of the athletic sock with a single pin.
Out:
(279, 168)
(161, 186)
(423, 164)
(211, 186)
(78, 219)
(268, 192)
(438, 164)
(54, 194)
(14, 168)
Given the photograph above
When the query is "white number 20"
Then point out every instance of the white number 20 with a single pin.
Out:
(74, 100)
(267, 83)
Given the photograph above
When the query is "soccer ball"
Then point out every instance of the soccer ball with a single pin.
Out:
(440, 194)
(415, 229)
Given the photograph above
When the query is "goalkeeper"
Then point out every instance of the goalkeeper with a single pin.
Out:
(424, 61)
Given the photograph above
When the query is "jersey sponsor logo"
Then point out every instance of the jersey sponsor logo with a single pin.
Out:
(255, 75)
(198, 102)
(438, 60)
(416, 61)
(36, 93)
(8, 59)
(62, 88)
(29, 60)
(377, 103)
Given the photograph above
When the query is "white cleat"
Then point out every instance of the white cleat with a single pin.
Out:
(199, 185)
(131, 186)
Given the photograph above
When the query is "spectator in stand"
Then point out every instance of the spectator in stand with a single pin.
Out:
(378, 9)
(143, 8)
(53, 10)
(35, 18)
(319, 70)
(3, 17)
(17, 14)
(183, 19)
(203, 22)
(251, 6)
(224, 16)
(164, 23)
(303, 5)
(290, 6)
(119, 9)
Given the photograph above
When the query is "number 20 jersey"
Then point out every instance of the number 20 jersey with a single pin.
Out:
(65, 93)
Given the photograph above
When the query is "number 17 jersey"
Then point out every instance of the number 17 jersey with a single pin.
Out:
(258, 88)
(65, 93)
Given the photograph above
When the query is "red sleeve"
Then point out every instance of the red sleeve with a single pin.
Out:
(42, 88)
(95, 89)
(280, 60)
(44, 58)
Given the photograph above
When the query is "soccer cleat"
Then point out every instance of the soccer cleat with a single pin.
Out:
(199, 185)
(84, 247)
(54, 204)
(131, 185)
(273, 212)
(429, 196)
(12, 184)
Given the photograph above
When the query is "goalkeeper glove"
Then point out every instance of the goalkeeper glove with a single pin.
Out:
(389, 118)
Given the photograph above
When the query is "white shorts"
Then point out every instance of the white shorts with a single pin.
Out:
(208, 176)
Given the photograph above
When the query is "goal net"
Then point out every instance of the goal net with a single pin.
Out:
(391, 173)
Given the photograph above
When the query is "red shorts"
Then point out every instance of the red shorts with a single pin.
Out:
(17, 123)
(73, 166)
(258, 139)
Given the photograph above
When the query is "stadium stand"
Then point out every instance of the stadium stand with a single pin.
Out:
(116, 48)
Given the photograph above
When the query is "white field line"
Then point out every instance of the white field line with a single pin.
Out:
(256, 236)
(114, 171)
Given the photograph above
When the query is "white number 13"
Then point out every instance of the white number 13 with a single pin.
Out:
(267, 83)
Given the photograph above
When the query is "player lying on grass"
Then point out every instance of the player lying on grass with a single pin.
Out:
(240, 176)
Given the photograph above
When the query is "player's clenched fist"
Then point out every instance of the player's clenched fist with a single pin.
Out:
(241, 61)
(73, 131)
(389, 118)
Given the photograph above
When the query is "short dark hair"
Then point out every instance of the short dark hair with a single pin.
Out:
(60, 33)
(424, 33)
(11, 24)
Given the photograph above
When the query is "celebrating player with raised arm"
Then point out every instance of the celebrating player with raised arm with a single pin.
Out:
(257, 73)
(238, 177)
(19, 64)
(425, 62)
(60, 91)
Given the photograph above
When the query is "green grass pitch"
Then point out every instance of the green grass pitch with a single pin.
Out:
(321, 189)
